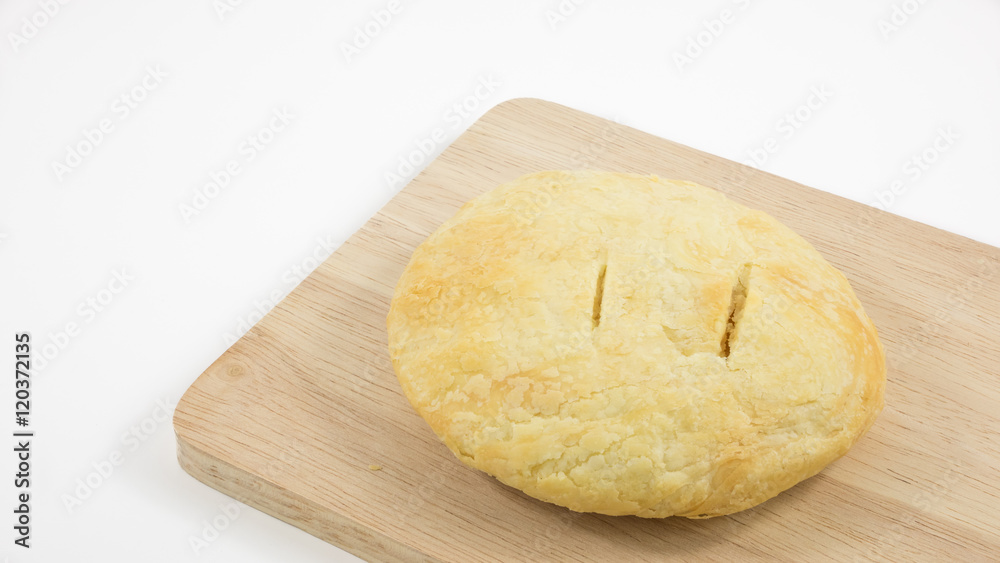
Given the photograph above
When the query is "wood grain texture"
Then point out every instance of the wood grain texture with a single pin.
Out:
(289, 419)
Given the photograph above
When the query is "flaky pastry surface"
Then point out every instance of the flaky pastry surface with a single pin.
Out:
(624, 344)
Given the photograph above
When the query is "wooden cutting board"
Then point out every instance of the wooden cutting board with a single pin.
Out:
(297, 416)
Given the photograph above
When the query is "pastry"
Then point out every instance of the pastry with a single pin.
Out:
(629, 345)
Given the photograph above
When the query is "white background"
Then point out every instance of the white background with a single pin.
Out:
(198, 276)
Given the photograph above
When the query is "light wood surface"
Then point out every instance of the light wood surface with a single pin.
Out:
(290, 419)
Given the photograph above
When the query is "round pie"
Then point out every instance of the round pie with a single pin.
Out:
(624, 344)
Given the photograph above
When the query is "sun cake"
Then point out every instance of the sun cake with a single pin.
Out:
(625, 344)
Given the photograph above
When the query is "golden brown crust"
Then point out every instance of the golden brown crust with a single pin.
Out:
(624, 344)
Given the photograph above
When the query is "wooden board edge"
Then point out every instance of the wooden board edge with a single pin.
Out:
(355, 538)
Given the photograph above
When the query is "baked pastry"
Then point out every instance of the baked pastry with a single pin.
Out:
(624, 344)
